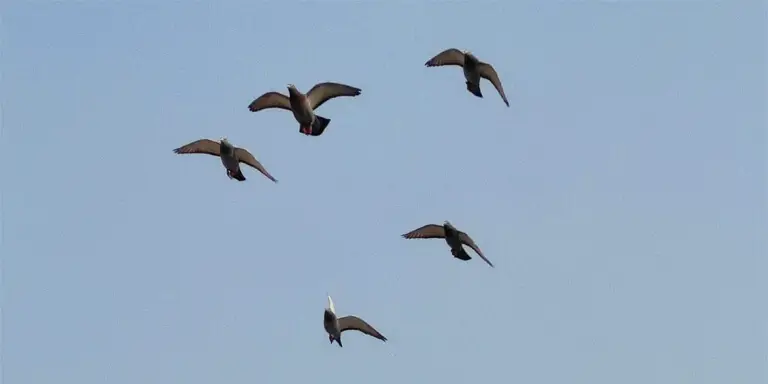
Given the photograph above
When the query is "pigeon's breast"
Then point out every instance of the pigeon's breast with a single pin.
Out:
(301, 109)
(329, 322)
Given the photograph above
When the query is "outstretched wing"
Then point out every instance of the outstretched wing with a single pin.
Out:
(358, 324)
(450, 56)
(429, 231)
(465, 239)
(270, 100)
(323, 92)
(486, 71)
(206, 146)
(247, 158)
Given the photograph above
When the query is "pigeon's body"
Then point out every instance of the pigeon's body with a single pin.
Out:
(473, 69)
(453, 237)
(230, 156)
(472, 75)
(334, 325)
(331, 325)
(303, 106)
(229, 160)
(300, 107)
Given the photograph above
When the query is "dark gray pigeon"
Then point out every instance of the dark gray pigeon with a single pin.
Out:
(336, 325)
(303, 106)
(452, 236)
(231, 156)
(474, 69)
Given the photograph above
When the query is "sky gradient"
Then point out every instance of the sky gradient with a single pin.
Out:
(622, 196)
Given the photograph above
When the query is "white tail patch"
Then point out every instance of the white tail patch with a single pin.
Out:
(330, 305)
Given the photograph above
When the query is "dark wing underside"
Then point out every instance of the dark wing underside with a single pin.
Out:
(247, 158)
(429, 231)
(358, 324)
(450, 56)
(270, 100)
(323, 92)
(486, 71)
(465, 239)
(206, 146)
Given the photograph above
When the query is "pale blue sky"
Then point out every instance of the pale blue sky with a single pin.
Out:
(622, 196)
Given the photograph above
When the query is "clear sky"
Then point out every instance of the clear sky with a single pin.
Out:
(622, 196)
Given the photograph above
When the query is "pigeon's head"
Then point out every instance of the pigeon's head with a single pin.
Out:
(223, 139)
(447, 224)
(292, 88)
(330, 305)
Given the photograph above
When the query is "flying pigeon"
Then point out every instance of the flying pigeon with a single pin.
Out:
(474, 69)
(231, 156)
(452, 236)
(304, 106)
(336, 325)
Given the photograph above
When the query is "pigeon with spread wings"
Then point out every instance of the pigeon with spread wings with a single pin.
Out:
(474, 69)
(336, 325)
(452, 236)
(303, 106)
(231, 156)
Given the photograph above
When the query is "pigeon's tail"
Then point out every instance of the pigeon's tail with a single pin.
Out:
(319, 125)
(474, 89)
(237, 175)
(460, 254)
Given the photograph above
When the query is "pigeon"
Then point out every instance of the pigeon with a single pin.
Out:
(452, 236)
(474, 69)
(336, 325)
(304, 106)
(231, 156)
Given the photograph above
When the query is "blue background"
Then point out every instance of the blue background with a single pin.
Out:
(622, 196)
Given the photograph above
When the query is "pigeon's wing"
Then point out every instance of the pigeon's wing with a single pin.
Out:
(200, 146)
(270, 100)
(323, 92)
(487, 71)
(246, 157)
(353, 322)
(429, 231)
(450, 56)
(465, 239)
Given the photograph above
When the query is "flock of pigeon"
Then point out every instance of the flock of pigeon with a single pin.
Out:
(304, 106)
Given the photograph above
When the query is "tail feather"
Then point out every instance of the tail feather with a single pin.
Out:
(474, 89)
(236, 175)
(319, 125)
(460, 254)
